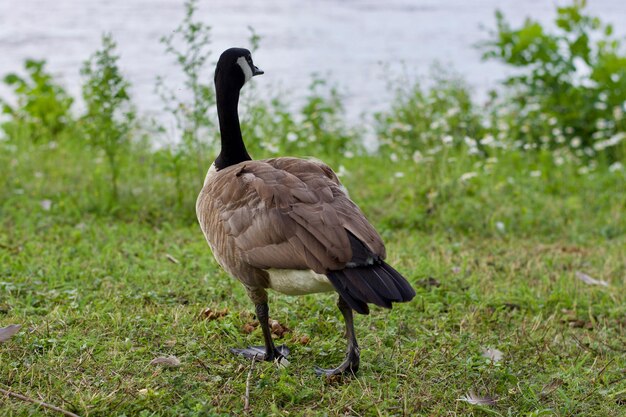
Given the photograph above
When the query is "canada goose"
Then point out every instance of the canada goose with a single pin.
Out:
(289, 225)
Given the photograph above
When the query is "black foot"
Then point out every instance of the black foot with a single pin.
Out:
(350, 366)
(258, 353)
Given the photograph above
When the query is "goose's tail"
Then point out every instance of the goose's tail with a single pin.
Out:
(378, 284)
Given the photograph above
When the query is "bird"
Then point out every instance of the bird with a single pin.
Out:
(288, 224)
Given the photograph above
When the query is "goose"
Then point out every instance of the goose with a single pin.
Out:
(287, 224)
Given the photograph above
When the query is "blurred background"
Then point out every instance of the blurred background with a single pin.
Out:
(359, 45)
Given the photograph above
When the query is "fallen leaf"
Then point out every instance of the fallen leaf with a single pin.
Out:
(494, 354)
(474, 399)
(210, 314)
(172, 259)
(590, 281)
(167, 361)
(7, 332)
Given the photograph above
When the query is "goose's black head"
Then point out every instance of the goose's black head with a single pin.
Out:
(235, 67)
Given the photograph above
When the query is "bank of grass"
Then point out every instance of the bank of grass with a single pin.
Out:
(101, 291)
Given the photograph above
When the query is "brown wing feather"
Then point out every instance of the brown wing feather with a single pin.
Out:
(285, 213)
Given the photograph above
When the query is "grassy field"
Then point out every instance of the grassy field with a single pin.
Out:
(495, 258)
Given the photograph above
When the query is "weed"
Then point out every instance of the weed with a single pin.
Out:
(110, 116)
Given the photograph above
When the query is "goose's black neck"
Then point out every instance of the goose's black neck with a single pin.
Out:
(233, 149)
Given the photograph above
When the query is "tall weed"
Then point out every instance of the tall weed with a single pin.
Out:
(110, 114)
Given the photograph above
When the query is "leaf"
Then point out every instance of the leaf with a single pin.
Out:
(590, 281)
(474, 399)
(494, 354)
(167, 361)
(7, 332)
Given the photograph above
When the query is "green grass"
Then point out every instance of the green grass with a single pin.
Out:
(99, 298)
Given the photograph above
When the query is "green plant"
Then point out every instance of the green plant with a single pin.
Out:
(318, 128)
(110, 114)
(189, 44)
(572, 87)
(425, 120)
(42, 107)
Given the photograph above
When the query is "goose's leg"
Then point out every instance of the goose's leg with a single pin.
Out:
(269, 352)
(350, 365)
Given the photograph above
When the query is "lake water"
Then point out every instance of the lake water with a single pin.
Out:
(359, 45)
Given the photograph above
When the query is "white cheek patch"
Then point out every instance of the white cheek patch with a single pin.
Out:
(245, 67)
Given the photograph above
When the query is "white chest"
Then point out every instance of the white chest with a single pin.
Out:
(298, 281)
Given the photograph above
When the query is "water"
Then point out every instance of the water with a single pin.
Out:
(359, 45)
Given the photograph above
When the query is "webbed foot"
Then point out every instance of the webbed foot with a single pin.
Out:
(349, 366)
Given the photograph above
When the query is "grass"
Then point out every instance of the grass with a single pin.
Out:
(493, 259)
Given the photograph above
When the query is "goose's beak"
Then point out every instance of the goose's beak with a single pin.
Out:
(257, 71)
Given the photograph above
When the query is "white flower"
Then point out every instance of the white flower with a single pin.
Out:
(393, 157)
(447, 139)
(467, 176)
(452, 111)
(349, 154)
(469, 141)
(575, 142)
(417, 157)
(46, 204)
(292, 137)
(616, 166)
(500, 227)
(399, 174)
(433, 150)
(558, 161)
(535, 174)
(487, 140)
(271, 147)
